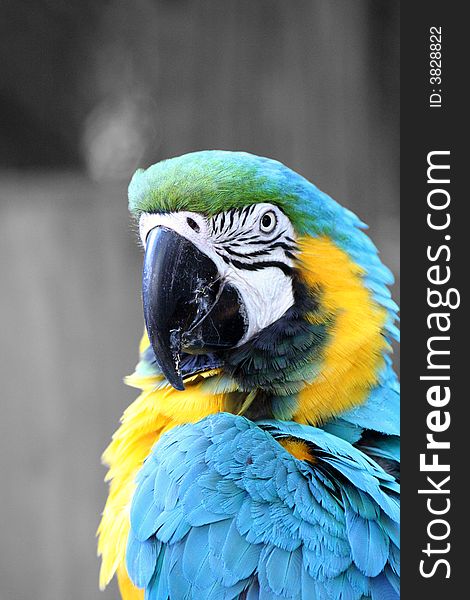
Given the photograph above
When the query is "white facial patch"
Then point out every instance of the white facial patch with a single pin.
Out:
(253, 248)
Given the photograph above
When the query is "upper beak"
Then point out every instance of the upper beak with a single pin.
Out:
(187, 307)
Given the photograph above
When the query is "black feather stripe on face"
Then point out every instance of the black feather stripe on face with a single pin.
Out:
(238, 245)
(229, 250)
(256, 266)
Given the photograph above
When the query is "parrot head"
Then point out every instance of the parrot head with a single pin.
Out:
(250, 270)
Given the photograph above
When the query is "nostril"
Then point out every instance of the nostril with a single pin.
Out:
(192, 223)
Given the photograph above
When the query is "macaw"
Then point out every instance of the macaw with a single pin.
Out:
(261, 459)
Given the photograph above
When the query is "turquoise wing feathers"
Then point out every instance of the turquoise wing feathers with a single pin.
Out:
(222, 511)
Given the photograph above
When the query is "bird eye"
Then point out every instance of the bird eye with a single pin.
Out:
(268, 222)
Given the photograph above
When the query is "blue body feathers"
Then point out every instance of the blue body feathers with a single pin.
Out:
(223, 511)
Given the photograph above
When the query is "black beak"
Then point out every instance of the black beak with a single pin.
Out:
(187, 308)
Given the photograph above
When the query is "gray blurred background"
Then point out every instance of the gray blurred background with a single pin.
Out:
(89, 91)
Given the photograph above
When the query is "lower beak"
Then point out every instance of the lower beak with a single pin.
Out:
(187, 308)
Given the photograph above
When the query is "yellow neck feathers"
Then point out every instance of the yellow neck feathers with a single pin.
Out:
(353, 354)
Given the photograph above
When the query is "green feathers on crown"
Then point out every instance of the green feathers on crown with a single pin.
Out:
(213, 181)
